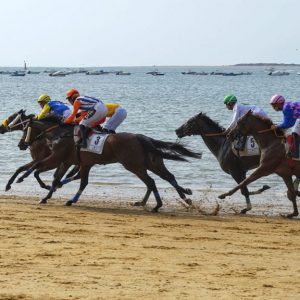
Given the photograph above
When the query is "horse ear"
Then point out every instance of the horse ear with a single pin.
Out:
(249, 112)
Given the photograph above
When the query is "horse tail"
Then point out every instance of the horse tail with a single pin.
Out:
(167, 150)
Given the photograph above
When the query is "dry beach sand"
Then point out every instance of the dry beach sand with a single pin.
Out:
(112, 251)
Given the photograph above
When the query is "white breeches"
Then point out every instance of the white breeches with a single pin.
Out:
(94, 115)
(116, 119)
(296, 127)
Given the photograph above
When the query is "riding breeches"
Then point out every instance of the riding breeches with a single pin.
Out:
(93, 115)
(116, 119)
(296, 127)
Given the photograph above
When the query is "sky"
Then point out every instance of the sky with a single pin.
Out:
(83, 33)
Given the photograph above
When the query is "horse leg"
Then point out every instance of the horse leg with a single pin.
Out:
(59, 173)
(291, 193)
(84, 174)
(74, 171)
(158, 167)
(17, 172)
(39, 180)
(50, 162)
(239, 176)
(258, 173)
(142, 174)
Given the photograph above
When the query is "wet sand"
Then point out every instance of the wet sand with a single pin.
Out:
(102, 251)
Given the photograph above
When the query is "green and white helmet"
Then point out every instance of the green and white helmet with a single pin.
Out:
(230, 99)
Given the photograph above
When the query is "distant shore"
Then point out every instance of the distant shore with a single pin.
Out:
(266, 65)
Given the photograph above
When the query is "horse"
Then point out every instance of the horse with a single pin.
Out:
(136, 152)
(214, 138)
(39, 150)
(273, 155)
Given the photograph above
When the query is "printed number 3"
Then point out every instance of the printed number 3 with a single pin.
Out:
(97, 140)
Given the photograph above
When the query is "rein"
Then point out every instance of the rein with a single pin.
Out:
(39, 135)
(271, 129)
(215, 134)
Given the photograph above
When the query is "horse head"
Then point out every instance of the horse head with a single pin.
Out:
(198, 125)
(36, 130)
(16, 121)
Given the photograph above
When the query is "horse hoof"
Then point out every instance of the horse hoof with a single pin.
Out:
(43, 201)
(20, 180)
(138, 203)
(69, 203)
(223, 196)
(7, 188)
(188, 201)
(243, 211)
(155, 210)
(266, 187)
(188, 192)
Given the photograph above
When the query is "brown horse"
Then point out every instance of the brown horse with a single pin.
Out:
(213, 136)
(136, 152)
(273, 155)
(39, 150)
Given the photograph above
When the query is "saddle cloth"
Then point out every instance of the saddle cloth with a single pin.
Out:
(95, 142)
(251, 148)
(289, 146)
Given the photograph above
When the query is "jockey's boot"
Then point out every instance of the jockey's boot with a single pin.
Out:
(83, 133)
(108, 131)
(295, 153)
(241, 143)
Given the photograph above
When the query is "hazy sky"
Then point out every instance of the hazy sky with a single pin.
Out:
(148, 32)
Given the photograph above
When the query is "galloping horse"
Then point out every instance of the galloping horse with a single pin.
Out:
(136, 152)
(273, 155)
(213, 136)
(38, 150)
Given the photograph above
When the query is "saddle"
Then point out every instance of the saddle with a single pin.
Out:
(250, 149)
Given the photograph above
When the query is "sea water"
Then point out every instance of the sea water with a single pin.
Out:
(156, 106)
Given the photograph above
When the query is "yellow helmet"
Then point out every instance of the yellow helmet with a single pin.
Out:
(44, 98)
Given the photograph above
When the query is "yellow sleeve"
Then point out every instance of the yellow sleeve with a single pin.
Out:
(46, 109)
(111, 108)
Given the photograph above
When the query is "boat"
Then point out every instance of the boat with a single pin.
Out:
(18, 73)
(33, 72)
(122, 73)
(58, 74)
(194, 73)
(279, 73)
(96, 72)
(155, 73)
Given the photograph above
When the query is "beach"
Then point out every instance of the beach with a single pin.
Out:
(108, 250)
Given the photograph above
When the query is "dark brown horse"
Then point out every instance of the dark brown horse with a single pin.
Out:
(212, 135)
(136, 152)
(273, 155)
(38, 150)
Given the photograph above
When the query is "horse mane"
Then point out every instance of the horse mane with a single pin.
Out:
(51, 119)
(267, 122)
(210, 122)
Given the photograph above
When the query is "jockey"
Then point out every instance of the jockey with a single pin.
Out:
(240, 110)
(291, 118)
(93, 112)
(49, 106)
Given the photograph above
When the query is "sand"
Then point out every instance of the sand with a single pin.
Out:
(95, 251)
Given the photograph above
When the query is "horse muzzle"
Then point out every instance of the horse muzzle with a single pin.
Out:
(23, 146)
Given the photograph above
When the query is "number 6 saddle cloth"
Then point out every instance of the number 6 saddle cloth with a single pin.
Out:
(251, 148)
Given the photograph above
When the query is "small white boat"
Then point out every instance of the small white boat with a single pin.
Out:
(122, 73)
(58, 74)
(279, 73)
(101, 72)
(18, 73)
